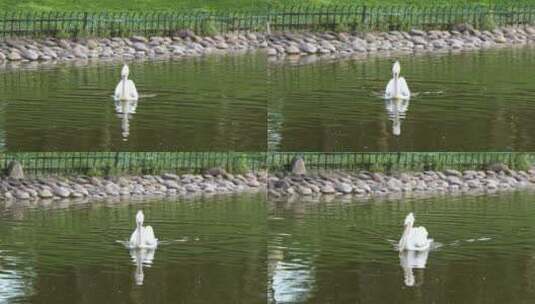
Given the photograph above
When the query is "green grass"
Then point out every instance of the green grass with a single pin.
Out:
(177, 5)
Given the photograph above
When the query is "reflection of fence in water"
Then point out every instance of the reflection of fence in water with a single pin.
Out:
(331, 17)
(39, 163)
(132, 162)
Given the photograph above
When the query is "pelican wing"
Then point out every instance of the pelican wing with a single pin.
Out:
(118, 90)
(404, 88)
(131, 90)
(417, 239)
(133, 238)
(149, 240)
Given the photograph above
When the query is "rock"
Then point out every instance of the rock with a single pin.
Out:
(21, 195)
(308, 48)
(45, 193)
(30, 55)
(298, 166)
(418, 40)
(79, 52)
(343, 188)
(61, 192)
(272, 52)
(415, 32)
(14, 56)
(172, 184)
(2, 56)
(215, 171)
(454, 180)
(92, 44)
(292, 50)
(304, 190)
(500, 39)
(140, 46)
(14, 170)
(170, 176)
(112, 189)
(451, 172)
(253, 183)
(222, 46)
(139, 39)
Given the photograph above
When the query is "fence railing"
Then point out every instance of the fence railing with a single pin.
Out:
(332, 17)
(388, 161)
(104, 163)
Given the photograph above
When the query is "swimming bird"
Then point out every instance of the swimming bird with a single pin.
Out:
(126, 89)
(414, 238)
(142, 237)
(397, 87)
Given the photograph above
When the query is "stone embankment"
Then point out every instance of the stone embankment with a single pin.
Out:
(188, 44)
(79, 187)
(368, 184)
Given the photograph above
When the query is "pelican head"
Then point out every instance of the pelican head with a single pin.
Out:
(396, 69)
(125, 71)
(409, 219)
(140, 218)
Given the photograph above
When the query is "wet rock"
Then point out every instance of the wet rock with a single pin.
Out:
(21, 195)
(14, 56)
(45, 193)
(292, 50)
(343, 188)
(61, 192)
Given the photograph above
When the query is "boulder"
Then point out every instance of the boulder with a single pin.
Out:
(298, 166)
(14, 170)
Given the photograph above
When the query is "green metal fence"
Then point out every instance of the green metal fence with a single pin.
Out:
(353, 17)
(101, 163)
(377, 161)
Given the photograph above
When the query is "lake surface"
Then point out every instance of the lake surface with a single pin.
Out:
(213, 250)
(216, 103)
(479, 101)
(343, 252)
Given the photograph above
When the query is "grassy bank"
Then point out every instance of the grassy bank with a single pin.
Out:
(151, 5)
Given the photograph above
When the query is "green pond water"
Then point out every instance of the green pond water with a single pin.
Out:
(216, 103)
(478, 101)
(213, 250)
(343, 252)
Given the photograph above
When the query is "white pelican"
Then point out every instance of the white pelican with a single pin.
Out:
(397, 86)
(142, 237)
(126, 89)
(414, 239)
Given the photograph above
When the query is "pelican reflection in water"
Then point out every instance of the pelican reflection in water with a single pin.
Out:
(142, 257)
(410, 260)
(396, 110)
(124, 110)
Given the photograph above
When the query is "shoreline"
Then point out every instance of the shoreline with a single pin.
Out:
(276, 45)
(370, 185)
(55, 188)
(327, 186)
